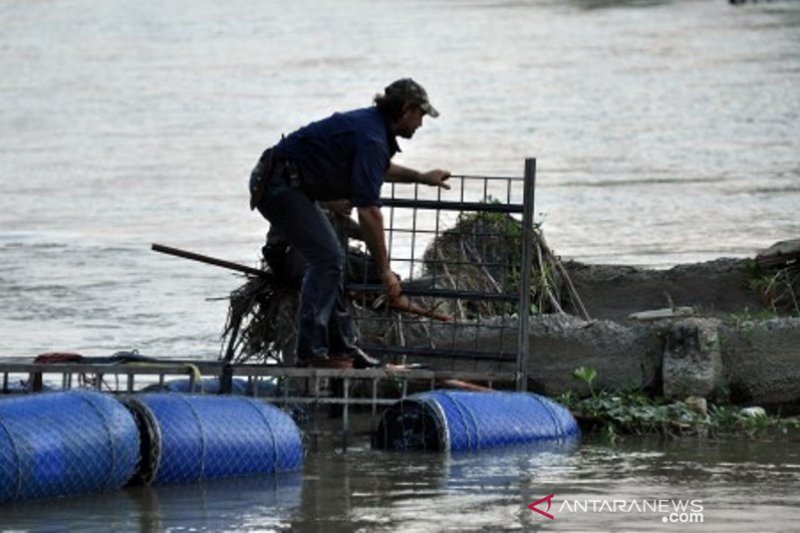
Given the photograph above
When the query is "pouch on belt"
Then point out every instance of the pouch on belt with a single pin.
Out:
(261, 173)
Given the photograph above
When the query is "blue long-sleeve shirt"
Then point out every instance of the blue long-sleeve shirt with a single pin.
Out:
(344, 156)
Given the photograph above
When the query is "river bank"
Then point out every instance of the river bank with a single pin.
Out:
(701, 330)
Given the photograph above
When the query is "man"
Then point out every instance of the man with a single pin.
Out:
(345, 156)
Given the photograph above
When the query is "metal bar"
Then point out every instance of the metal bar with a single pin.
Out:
(414, 214)
(390, 229)
(433, 353)
(467, 177)
(523, 314)
(370, 373)
(209, 260)
(331, 401)
(437, 293)
(374, 402)
(346, 410)
(263, 371)
(58, 368)
(452, 206)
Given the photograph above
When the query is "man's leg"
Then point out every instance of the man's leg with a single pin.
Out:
(308, 230)
(342, 336)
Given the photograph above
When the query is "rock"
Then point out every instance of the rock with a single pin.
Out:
(692, 364)
(624, 357)
(753, 412)
(761, 361)
(697, 404)
(613, 292)
(658, 314)
(790, 247)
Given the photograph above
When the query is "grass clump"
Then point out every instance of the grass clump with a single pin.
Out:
(615, 414)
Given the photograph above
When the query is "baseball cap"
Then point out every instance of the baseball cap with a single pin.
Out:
(411, 92)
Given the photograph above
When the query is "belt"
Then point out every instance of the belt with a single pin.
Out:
(273, 170)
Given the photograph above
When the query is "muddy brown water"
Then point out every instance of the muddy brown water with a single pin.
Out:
(637, 484)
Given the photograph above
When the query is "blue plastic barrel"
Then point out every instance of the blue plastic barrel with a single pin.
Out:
(190, 438)
(62, 443)
(460, 421)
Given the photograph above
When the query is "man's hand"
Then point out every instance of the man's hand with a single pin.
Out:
(436, 178)
(392, 284)
(343, 208)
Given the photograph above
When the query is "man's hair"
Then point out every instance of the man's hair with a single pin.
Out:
(398, 94)
(390, 105)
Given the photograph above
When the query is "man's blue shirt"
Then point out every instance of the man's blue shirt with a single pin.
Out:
(343, 156)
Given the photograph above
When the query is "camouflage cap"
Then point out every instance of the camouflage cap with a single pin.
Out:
(411, 92)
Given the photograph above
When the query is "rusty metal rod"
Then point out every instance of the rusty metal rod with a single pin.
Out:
(209, 260)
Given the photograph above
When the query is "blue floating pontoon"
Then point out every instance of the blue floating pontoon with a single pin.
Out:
(460, 421)
(62, 443)
(190, 438)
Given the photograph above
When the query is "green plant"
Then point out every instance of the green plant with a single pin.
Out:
(586, 375)
(613, 414)
(776, 286)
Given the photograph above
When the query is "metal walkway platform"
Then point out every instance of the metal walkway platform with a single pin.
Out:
(366, 391)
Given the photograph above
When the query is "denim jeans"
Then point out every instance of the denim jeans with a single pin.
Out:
(324, 321)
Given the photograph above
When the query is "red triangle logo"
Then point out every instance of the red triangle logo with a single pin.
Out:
(532, 506)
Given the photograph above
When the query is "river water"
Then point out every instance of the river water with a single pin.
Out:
(636, 485)
(665, 132)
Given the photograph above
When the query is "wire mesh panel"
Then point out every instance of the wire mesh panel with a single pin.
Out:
(464, 421)
(64, 443)
(463, 256)
(192, 438)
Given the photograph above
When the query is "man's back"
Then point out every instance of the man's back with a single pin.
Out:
(344, 156)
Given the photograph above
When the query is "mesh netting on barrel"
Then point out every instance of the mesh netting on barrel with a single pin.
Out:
(459, 421)
(190, 438)
(63, 443)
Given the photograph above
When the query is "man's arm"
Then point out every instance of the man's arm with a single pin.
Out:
(371, 222)
(401, 174)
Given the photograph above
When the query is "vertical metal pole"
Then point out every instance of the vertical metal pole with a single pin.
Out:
(346, 412)
(524, 326)
(226, 379)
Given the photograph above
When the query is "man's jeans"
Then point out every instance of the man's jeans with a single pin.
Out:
(325, 324)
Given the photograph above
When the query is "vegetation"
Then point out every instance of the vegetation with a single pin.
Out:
(776, 284)
(482, 252)
(614, 414)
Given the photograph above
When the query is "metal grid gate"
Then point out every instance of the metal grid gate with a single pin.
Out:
(465, 254)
